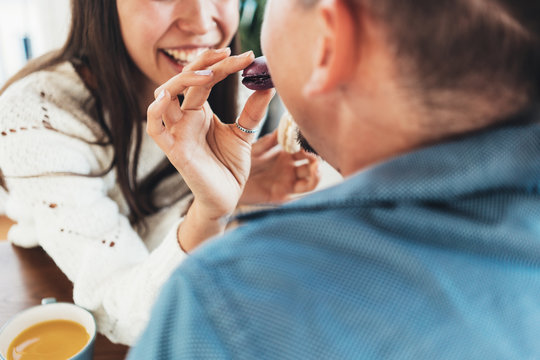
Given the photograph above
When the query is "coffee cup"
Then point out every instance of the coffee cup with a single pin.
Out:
(55, 329)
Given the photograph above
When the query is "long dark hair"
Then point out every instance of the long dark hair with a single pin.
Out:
(96, 49)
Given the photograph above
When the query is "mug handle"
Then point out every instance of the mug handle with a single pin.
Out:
(49, 300)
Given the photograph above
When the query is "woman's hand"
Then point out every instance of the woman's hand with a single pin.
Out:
(277, 175)
(213, 158)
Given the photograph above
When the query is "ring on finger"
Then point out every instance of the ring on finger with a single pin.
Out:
(243, 129)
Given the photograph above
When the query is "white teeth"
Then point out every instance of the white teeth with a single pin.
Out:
(184, 56)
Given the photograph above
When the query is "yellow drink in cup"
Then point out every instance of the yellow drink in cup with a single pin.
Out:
(58, 331)
(53, 339)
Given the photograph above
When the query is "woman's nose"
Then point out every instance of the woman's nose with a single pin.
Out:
(195, 16)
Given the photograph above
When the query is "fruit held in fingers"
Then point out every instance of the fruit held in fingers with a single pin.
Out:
(256, 76)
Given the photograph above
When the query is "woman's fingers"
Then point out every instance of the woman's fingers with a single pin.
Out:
(161, 108)
(264, 144)
(309, 180)
(304, 155)
(195, 71)
(180, 82)
(252, 114)
(304, 185)
(307, 174)
(303, 171)
(231, 65)
(172, 114)
(202, 74)
(207, 59)
(154, 123)
(195, 97)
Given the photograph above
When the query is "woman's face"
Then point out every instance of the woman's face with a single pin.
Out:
(162, 36)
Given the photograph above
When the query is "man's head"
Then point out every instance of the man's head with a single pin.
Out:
(369, 79)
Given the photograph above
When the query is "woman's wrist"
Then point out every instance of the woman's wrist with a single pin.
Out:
(198, 226)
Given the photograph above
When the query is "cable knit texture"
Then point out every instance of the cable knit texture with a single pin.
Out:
(49, 144)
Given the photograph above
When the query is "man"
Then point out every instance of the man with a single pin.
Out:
(430, 247)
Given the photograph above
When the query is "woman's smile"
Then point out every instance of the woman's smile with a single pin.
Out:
(163, 37)
(179, 57)
(183, 55)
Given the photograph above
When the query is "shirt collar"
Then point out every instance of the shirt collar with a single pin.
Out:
(504, 157)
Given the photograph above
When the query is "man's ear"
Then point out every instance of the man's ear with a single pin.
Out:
(335, 49)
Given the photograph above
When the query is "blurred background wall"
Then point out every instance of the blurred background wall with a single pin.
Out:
(43, 23)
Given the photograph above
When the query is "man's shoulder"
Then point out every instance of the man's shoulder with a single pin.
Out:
(273, 247)
(253, 274)
(283, 227)
(305, 223)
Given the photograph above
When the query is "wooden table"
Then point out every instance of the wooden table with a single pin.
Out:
(29, 275)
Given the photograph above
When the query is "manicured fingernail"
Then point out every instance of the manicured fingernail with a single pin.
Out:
(207, 72)
(219, 51)
(161, 95)
(246, 54)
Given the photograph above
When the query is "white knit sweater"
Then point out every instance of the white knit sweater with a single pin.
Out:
(46, 132)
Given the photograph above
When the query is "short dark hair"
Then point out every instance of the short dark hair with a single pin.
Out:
(453, 42)
(489, 47)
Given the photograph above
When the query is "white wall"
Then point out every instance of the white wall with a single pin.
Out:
(46, 22)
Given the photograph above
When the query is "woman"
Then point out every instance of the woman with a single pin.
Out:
(82, 178)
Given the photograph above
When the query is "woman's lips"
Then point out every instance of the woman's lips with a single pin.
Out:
(175, 66)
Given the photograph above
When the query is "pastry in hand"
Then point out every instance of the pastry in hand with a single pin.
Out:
(288, 134)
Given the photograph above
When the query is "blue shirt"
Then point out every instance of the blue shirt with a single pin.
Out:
(433, 255)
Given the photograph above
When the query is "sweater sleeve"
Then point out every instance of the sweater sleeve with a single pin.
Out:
(49, 161)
